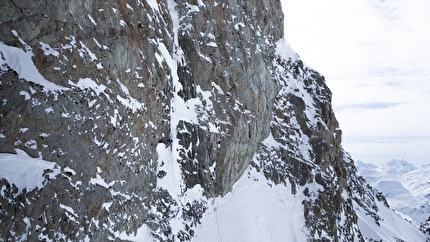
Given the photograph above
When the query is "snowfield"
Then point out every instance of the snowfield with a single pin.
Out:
(405, 186)
(255, 210)
(25, 172)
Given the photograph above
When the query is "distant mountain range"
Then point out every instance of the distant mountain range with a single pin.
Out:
(405, 186)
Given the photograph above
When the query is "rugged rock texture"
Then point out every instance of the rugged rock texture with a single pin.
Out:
(114, 104)
(106, 123)
(227, 49)
(149, 109)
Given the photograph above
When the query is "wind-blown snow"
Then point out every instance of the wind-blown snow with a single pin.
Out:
(26, 172)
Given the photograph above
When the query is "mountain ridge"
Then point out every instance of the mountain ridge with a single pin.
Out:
(156, 116)
(404, 185)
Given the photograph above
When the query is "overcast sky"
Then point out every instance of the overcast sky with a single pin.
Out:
(375, 56)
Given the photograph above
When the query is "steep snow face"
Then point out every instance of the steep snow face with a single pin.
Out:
(418, 182)
(255, 210)
(391, 227)
(405, 186)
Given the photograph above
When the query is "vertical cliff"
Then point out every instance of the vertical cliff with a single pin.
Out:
(131, 120)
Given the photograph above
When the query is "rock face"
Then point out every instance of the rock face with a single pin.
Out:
(149, 109)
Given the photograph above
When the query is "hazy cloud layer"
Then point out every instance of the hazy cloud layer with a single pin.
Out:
(364, 106)
(375, 57)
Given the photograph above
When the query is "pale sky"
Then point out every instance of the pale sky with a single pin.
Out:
(375, 56)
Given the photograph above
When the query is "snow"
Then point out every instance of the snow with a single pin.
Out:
(397, 167)
(98, 180)
(86, 50)
(417, 181)
(49, 110)
(254, 211)
(48, 50)
(68, 169)
(25, 94)
(201, 4)
(143, 234)
(153, 4)
(26, 172)
(87, 83)
(97, 43)
(392, 226)
(172, 181)
(218, 88)
(107, 205)
(68, 209)
(129, 7)
(405, 186)
(283, 48)
(21, 62)
(23, 130)
(92, 20)
(212, 44)
(131, 103)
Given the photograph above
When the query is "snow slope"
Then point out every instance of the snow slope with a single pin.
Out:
(255, 210)
(405, 186)
(26, 172)
(391, 228)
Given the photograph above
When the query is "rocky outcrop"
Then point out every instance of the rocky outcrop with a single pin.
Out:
(147, 110)
(99, 112)
(105, 99)
(227, 49)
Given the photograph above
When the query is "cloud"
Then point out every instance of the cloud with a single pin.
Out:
(387, 139)
(375, 57)
(364, 106)
(382, 148)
